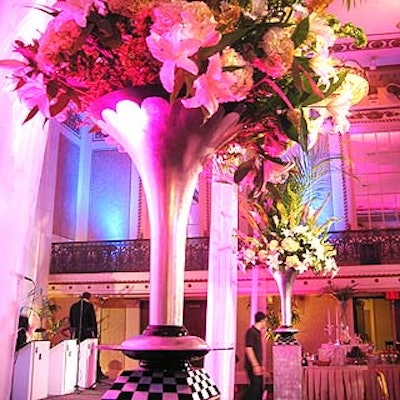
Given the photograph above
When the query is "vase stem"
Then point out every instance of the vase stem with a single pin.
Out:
(169, 145)
(285, 281)
(169, 214)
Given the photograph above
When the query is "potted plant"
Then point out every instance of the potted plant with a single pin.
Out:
(41, 313)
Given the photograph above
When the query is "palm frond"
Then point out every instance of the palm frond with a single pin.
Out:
(350, 3)
(310, 183)
(301, 198)
(340, 293)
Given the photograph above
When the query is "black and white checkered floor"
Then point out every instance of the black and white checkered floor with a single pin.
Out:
(167, 385)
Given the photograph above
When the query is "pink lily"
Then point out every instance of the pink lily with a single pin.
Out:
(212, 88)
(173, 52)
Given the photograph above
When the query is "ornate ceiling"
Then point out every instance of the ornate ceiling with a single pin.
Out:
(380, 19)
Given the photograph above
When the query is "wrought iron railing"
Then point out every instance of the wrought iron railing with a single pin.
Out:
(367, 247)
(353, 248)
(118, 256)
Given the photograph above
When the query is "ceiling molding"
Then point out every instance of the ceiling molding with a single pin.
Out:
(385, 43)
(375, 120)
(369, 278)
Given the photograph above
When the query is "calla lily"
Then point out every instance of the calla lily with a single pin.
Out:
(12, 64)
(33, 93)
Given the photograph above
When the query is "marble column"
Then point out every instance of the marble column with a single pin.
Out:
(21, 157)
(222, 287)
(341, 195)
(254, 306)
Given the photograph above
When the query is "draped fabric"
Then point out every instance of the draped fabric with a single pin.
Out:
(349, 382)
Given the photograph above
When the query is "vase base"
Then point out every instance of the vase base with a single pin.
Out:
(286, 335)
(164, 346)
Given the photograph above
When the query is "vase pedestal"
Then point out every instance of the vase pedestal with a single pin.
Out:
(287, 368)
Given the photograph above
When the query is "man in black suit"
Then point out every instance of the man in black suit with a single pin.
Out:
(83, 324)
(82, 319)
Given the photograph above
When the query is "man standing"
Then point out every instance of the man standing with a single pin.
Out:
(82, 319)
(253, 358)
(83, 325)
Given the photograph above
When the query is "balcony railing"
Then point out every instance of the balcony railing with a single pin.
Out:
(353, 248)
(367, 247)
(118, 256)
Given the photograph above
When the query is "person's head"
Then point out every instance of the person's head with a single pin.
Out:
(260, 319)
(86, 295)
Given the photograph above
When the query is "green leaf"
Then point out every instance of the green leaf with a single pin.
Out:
(303, 134)
(301, 32)
(52, 89)
(242, 171)
(310, 82)
(182, 77)
(59, 106)
(226, 40)
(315, 98)
(298, 83)
(82, 38)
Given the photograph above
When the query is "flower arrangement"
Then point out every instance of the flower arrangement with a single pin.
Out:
(286, 233)
(268, 60)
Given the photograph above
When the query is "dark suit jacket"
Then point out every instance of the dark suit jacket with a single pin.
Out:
(82, 318)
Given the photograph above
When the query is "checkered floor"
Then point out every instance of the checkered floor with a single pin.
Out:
(169, 385)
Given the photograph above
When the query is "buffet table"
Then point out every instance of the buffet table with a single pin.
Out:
(349, 382)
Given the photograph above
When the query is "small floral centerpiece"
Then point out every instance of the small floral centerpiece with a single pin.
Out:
(282, 242)
(270, 61)
(286, 232)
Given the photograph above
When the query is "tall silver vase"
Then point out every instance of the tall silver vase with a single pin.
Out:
(285, 281)
(169, 145)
